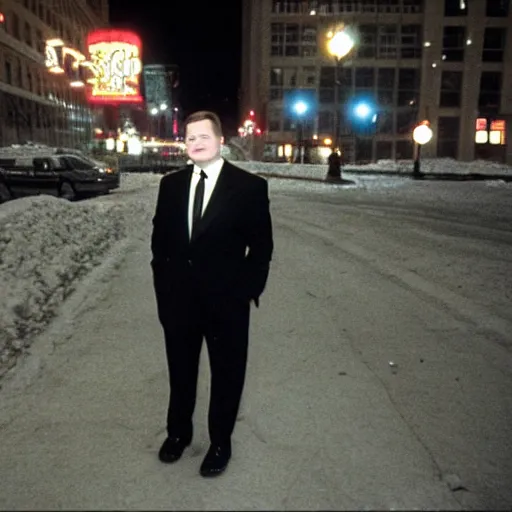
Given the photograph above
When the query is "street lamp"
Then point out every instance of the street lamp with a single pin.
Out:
(421, 135)
(339, 45)
(300, 107)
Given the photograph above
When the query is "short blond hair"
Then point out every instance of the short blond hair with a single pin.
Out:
(201, 115)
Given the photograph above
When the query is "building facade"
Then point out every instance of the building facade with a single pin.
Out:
(36, 104)
(446, 61)
(160, 82)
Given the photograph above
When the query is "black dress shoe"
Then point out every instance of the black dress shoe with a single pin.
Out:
(172, 449)
(216, 460)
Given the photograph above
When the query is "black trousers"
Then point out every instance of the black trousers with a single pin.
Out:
(223, 321)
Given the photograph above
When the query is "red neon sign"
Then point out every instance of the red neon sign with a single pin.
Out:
(116, 66)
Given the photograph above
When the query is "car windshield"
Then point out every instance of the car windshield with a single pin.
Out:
(80, 163)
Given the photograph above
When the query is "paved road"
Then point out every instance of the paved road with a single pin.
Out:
(416, 275)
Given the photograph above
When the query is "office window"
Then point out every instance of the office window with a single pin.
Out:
(291, 40)
(308, 75)
(364, 150)
(365, 78)
(497, 131)
(327, 76)
(490, 90)
(454, 42)
(276, 77)
(274, 120)
(277, 39)
(30, 81)
(19, 73)
(286, 6)
(40, 43)
(494, 44)
(308, 41)
(406, 119)
(384, 150)
(325, 121)
(412, 6)
(387, 41)
(367, 47)
(455, 8)
(404, 150)
(8, 71)
(497, 8)
(385, 86)
(408, 87)
(410, 46)
(451, 87)
(28, 34)
(448, 137)
(326, 95)
(15, 26)
(491, 131)
(385, 122)
(290, 77)
(388, 6)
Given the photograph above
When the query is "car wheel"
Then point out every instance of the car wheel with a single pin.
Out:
(67, 191)
(5, 193)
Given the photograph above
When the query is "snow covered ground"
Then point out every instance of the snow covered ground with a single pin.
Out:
(48, 245)
(435, 166)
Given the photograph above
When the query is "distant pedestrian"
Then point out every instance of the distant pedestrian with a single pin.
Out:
(334, 161)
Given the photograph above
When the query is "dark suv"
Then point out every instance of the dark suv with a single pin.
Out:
(65, 175)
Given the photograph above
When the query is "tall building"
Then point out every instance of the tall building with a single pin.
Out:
(160, 81)
(38, 101)
(447, 61)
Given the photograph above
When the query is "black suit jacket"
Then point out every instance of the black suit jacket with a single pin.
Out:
(231, 249)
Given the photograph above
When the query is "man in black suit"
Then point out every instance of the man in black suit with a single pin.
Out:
(212, 245)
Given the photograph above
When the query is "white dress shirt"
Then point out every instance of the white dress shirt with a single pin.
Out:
(212, 172)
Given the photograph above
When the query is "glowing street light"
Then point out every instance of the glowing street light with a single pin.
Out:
(421, 135)
(339, 44)
(300, 108)
(362, 110)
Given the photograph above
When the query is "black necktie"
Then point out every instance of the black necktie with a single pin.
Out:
(197, 209)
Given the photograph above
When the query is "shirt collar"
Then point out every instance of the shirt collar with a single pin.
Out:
(212, 168)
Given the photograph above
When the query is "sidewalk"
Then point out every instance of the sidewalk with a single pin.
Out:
(316, 428)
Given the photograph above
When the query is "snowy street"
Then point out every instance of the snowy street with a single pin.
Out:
(380, 359)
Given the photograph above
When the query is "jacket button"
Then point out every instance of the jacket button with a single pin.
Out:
(190, 262)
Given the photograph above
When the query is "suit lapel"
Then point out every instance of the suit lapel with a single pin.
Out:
(181, 199)
(220, 195)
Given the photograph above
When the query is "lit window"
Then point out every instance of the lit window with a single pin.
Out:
(481, 137)
(492, 132)
(497, 132)
(481, 124)
(495, 137)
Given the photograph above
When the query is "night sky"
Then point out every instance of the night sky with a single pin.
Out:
(204, 45)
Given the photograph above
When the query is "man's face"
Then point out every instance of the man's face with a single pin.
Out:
(203, 145)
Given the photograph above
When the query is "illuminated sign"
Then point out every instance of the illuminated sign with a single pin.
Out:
(61, 59)
(116, 66)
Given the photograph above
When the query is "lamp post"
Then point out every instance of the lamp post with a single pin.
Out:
(421, 135)
(300, 108)
(158, 111)
(154, 112)
(339, 45)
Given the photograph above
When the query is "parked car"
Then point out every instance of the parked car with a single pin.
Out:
(68, 175)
